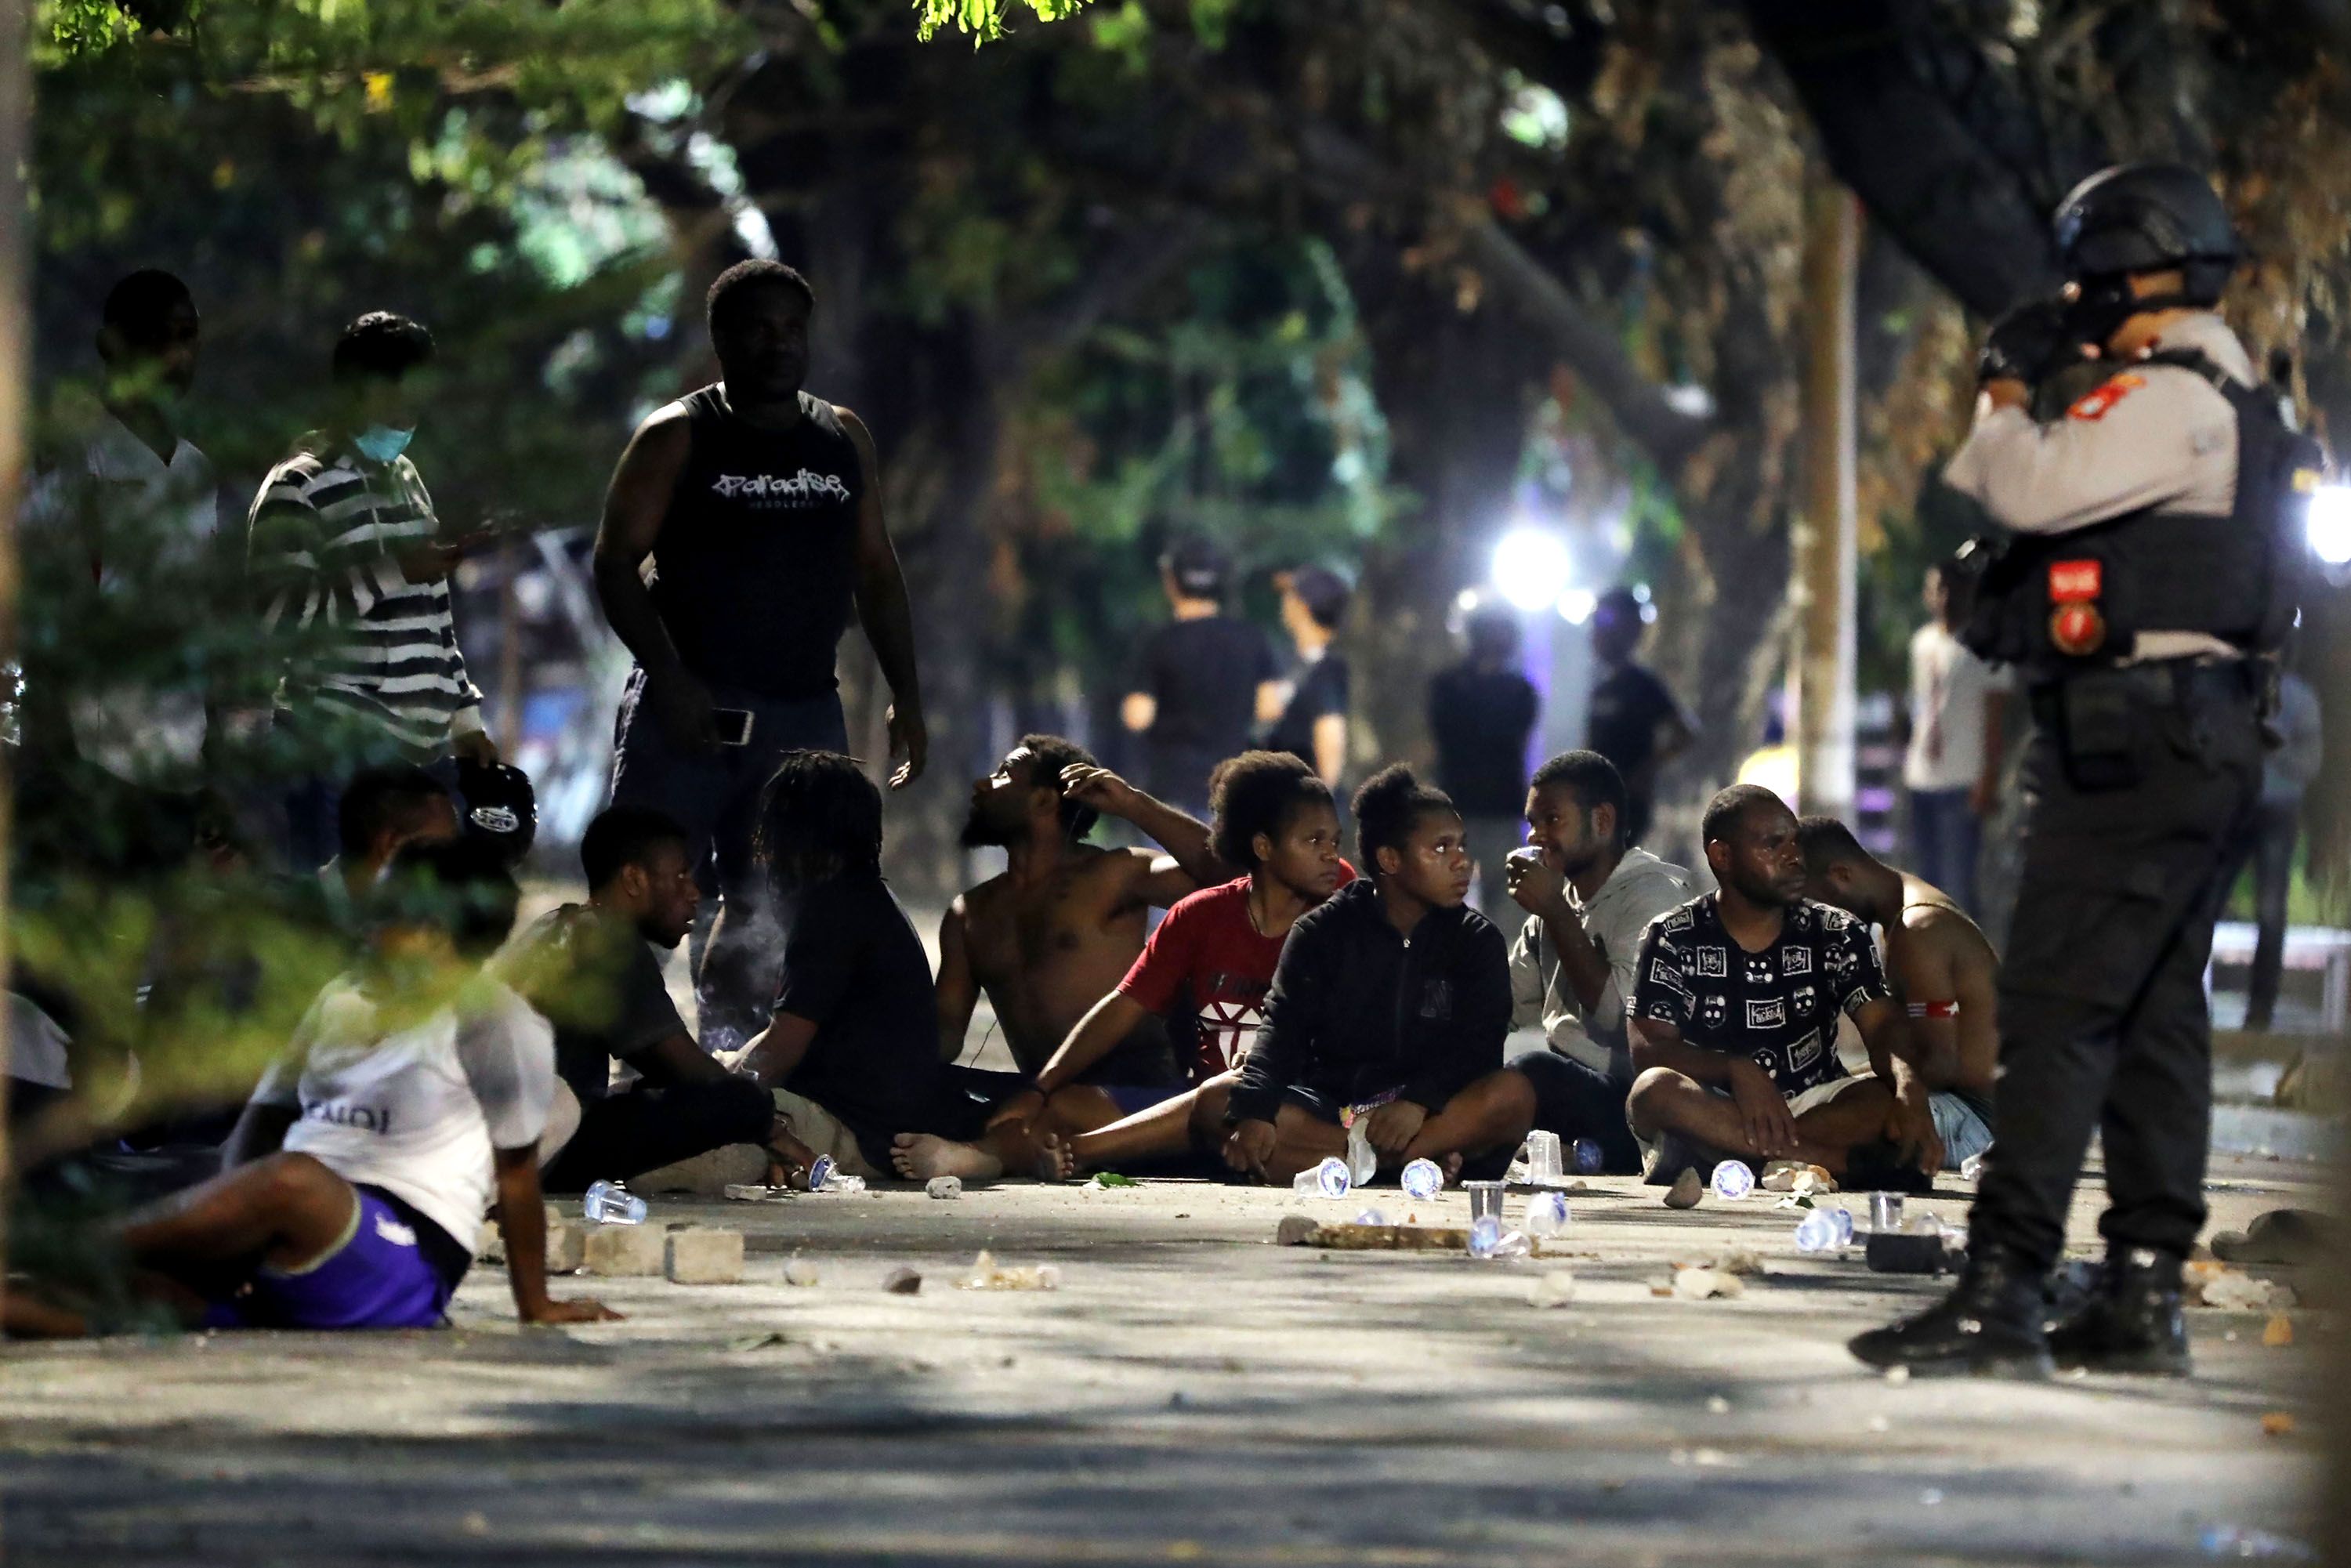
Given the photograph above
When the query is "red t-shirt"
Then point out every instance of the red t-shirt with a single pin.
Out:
(1207, 951)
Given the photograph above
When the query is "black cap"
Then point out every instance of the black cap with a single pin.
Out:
(1324, 592)
(501, 809)
(1198, 567)
(2143, 217)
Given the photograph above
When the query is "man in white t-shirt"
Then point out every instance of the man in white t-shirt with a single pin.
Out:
(414, 1097)
(1951, 771)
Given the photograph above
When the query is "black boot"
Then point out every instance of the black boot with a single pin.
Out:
(1988, 1326)
(2133, 1321)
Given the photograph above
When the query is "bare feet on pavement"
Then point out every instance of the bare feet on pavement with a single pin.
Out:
(919, 1156)
(1056, 1161)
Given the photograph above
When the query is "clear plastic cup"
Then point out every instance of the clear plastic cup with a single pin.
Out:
(1329, 1179)
(1363, 1160)
(1423, 1179)
(1547, 1214)
(1543, 1159)
(610, 1203)
(1885, 1213)
(1817, 1232)
(1485, 1200)
(1371, 1217)
(1591, 1159)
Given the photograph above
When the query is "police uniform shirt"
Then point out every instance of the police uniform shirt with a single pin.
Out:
(1778, 1008)
(2150, 436)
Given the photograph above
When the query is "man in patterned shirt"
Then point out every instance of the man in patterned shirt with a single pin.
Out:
(1735, 1022)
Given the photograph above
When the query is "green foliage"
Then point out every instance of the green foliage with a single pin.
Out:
(984, 20)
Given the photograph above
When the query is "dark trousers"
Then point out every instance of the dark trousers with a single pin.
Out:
(2268, 842)
(2102, 1019)
(714, 796)
(1580, 1101)
(1946, 841)
(643, 1129)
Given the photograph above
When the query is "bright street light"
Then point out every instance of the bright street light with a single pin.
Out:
(2329, 524)
(1576, 605)
(1530, 568)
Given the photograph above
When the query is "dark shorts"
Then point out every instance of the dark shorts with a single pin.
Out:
(381, 1277)
(1577, 1101)
(1130, 1098)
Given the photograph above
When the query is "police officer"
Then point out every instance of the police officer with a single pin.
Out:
(2146, 575)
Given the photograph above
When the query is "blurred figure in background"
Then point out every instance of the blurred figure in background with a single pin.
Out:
(1312, 723)
(1635, 721)
(1204, 680)
(1481, 712)
(2271, 834)
(1958, 709)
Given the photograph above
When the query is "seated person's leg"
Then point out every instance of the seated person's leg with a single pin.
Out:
(1962, 1128)
(1306, 1133)
(287, 1211)
(819, 1132)
(1578, 1102)
(1664, 1100)
(1480, 1128)
(1160, 1130)
(643, 1129)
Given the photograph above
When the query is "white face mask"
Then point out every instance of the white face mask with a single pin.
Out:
(383, 442)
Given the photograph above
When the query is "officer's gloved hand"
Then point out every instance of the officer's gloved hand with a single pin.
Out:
(2029, 344)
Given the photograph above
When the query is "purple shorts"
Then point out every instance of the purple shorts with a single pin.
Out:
(379, 1278)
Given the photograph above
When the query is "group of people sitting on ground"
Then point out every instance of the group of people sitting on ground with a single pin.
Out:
(1286, 993)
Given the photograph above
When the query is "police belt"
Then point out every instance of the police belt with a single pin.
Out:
(2158, 682)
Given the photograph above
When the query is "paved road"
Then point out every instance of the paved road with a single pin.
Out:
(1192, 1394)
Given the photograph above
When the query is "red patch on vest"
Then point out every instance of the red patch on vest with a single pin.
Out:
(2098, 403)
(2075, 581)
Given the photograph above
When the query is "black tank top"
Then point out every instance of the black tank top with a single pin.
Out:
(756, 563)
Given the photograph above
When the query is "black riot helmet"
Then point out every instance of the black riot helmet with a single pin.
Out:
(2138, 218)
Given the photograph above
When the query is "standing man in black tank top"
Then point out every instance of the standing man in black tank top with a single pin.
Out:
(759, 508)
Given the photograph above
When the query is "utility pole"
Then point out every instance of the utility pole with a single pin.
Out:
(1826, 563)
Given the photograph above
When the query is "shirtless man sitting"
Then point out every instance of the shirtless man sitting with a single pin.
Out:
(1059, 929)
(1943, 970)
(1735, 1023)
(1213, 958)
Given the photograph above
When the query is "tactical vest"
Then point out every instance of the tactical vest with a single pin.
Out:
(2054, 603)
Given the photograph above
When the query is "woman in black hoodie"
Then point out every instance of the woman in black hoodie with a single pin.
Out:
(1392, 1001)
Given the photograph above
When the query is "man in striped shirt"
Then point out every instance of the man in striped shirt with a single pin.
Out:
(346, 549)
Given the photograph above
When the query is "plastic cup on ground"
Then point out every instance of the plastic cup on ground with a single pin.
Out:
(1733, 1179)
(1329, 1179)
(1547, 1214)
(1886, 1212)
(1423, 1179)
(610, 1203)
(1818, 1232)
(1484, 1235)
(1543, 1159)
(1485, 1201)
(1371, 1217)
(1363, 1160)
(1590, 1157)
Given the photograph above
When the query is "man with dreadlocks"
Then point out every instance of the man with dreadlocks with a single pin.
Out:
(850, 1048)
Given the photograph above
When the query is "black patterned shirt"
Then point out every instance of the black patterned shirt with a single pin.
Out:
(1778, 1008)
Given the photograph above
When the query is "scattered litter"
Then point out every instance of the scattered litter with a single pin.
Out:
(1553, 1289)
(1178, 1400)
(2277, 1424)
(1728, 1260)
(1796, 1176)
(801, 1271)
(2278, 1332)
(1701, 1284)
(1371, 1217)
(944, 1186)
(1717, 1406)
(1879, 1423)
(758, 1342)
(1897, 1375)
(2236, 1540)
(476, 1523)
(490, 1243)
(1686, 1190)
(2283, 1236)
(1295, 1231)
(902, 1282)
(1733, 1179)
(987, 1274)
(1932, 1496)
(1103, 1180)
(2215, 1284)
(756, 1192)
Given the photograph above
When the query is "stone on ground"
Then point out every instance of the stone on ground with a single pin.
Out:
(625, 1252)
(703, 1255)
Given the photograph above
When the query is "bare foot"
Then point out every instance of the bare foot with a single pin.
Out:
(1056, 1161)
(1452, 1170)
(919, 1156)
